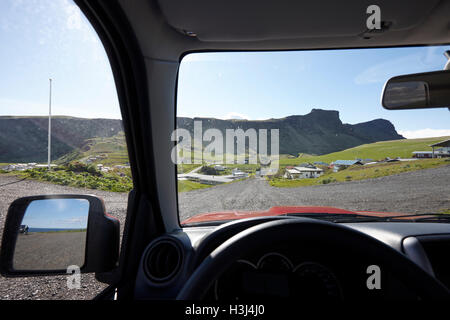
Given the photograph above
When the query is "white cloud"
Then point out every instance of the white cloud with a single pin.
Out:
(74, 20)
(80, 221)
(412, 63)
(424, 133)
(13, 107)
(235, 115)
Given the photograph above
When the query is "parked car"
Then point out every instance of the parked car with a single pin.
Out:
(23, 229)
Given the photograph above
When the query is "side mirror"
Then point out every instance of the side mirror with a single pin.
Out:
(417, 91)
(44, 235)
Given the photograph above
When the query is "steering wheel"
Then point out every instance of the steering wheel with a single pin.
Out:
(304, 230)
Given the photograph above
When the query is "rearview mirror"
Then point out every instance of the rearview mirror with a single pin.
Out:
(417, 91)
(46, 235)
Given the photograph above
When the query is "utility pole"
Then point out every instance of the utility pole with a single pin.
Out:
(49, 124)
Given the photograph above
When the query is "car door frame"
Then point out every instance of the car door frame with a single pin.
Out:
(143, 220)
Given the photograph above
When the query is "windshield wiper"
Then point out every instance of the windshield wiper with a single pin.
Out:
(348, 217)
(339, 217)
(430, 216)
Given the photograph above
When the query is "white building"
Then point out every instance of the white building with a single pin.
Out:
(238, 173)
(25, 166)
(302, 173)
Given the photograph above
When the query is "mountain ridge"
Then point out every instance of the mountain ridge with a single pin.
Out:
(24, 138)
(318, 132)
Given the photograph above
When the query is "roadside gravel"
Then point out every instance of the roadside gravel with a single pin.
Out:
(412, 192)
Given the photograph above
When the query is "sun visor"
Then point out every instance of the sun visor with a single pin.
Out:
(259, 20)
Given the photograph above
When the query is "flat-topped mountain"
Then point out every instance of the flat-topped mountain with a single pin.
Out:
(318, 132)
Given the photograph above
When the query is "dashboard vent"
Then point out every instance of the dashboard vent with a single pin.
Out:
(163, 261)
(437, 248)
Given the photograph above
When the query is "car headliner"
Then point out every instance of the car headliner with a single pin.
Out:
(162, 27)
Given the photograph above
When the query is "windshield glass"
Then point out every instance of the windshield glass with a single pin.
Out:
(304, 132)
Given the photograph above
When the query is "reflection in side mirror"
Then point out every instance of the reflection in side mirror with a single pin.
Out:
(52, 235)
(416, 91)
(44, 235)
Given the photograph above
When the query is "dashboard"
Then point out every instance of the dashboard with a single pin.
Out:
(275, 276)
(318, 270)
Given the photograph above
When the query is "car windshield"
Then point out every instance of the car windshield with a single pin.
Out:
(304, 133)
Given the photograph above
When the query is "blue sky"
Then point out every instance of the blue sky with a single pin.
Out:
(57, 213)
(277, 84)
(44, 39)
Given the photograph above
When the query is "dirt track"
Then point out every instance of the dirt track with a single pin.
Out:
(412, 192)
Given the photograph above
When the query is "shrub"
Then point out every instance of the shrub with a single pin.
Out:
(328, 180)
(84, 179)
(208, 170)
(79, 167)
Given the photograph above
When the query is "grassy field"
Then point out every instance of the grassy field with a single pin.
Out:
(359, 172)
(376, 151)
(114, 148)
(185, 168)
(186, 185)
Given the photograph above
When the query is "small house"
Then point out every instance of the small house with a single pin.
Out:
(343, 164)
(443, 151)
(302, 173)
(422, 154)
(238, 174)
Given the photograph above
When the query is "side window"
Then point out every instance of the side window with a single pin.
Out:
(55, 77)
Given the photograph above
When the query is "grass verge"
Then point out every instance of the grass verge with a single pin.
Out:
(358, 172)
(186, 185)
(114, 181)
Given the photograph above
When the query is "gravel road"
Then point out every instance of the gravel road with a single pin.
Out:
(49, 250)
(412, 192)
(52, 287)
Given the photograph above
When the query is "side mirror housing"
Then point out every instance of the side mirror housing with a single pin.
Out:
(44, 235)
(417, 91)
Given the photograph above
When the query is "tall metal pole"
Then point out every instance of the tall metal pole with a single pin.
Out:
(49, 124)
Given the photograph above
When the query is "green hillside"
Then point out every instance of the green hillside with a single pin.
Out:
(376, 151)
(25, 139)
(109, 150)
(114, 151)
